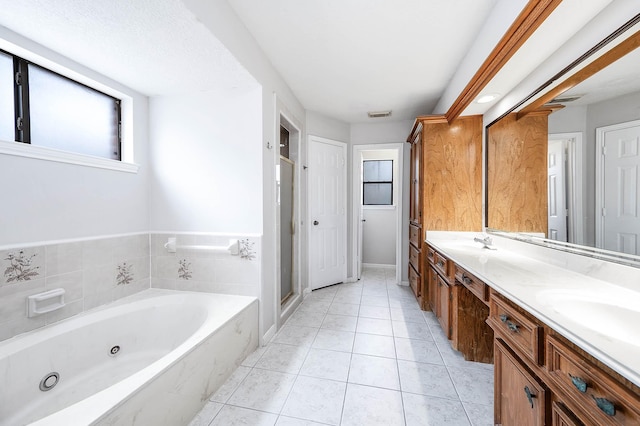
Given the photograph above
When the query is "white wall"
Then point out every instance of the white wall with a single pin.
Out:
(207, 162)
(221, 20)
(327, 127)
(45, 201)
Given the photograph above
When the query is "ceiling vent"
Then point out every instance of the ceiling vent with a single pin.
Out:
(379, 114)
(565, 99)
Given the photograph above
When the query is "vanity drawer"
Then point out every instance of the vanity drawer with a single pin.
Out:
(477, 287)
(414, 258)
(516, 329)
(414, 235)
(441, 264)
(592, 390)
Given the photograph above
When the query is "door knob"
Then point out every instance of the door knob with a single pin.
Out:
(315, 222)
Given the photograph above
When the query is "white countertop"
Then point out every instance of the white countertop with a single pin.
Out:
(598, 316)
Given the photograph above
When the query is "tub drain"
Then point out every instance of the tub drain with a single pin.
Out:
(114, 350)
(49, 381)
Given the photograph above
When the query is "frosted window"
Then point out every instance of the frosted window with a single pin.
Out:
(378, 194)
(68, 116)
(7, 132)
(377, 171)
(377, 182)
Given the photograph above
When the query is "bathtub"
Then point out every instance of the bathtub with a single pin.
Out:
(149, 359)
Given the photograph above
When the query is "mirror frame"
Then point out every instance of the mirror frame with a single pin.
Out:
(565, 82)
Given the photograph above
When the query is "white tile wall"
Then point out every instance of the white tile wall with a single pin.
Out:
(87, 270)
(206, 271)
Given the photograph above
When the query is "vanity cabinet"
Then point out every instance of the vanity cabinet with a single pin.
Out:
(520, 398)
(445, 185)
(541, 378)
(460, 302)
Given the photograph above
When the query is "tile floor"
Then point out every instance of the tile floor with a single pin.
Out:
(356, 354)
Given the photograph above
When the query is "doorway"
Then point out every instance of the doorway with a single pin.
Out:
(565, 197)
(287, 216)
(377, 221)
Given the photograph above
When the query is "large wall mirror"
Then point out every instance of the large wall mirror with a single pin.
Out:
(563, 167)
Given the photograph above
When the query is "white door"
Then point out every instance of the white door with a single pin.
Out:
(557, 191)
(620, 188)
(327, 212)
(361, 221)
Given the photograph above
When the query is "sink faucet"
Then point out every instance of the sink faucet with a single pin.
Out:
(487, 242)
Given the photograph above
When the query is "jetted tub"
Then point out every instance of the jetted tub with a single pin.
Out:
(149, 359)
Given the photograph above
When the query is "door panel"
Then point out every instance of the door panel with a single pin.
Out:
(557, 191)
(621, 214)
(327, 202)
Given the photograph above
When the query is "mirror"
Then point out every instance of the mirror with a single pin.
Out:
(545, 176)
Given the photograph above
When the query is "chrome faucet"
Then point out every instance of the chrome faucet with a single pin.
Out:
(487, 242)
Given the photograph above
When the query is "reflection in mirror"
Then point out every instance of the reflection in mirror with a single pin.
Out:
(570, 169)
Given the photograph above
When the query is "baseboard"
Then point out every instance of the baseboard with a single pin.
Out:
(268, 335)
(405, 283)
(379, 265)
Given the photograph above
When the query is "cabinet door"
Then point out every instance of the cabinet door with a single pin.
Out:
(444, 303)
(520, 399)
(415, 211)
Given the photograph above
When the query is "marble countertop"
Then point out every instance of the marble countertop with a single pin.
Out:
(598, 316)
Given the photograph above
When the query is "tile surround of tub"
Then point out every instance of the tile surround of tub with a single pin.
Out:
(97, 271)
(87, 270)
(206, 271)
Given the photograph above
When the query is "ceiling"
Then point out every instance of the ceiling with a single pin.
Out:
(341, 58)
(156, 47)
(344, 58)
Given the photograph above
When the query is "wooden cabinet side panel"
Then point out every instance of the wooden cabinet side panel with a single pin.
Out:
(517, 174)
(452, 175)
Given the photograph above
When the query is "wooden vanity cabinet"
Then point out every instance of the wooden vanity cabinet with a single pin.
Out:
(445, 185)
(520, 398)
(570, 386)
(471, 335)
(452, 295)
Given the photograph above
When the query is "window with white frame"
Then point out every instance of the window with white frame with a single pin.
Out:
(43, 108)
(377, 182)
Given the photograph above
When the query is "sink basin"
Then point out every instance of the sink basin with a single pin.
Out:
(615, 314)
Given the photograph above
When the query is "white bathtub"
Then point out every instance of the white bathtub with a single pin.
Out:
(176, 348)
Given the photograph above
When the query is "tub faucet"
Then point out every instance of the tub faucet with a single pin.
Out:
(487, 242)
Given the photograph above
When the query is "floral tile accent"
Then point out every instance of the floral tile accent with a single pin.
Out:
(125, 275)
(246, 249)
(20, 267)
(184, 271)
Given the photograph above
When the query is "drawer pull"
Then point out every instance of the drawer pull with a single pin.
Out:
(580, 384)
(512, 326)
(441, 264)
(606, 406)
(466, 279)
(504, 318)
(530, 396)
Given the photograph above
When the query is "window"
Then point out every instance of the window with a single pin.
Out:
(43, 108)
(377, 182)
